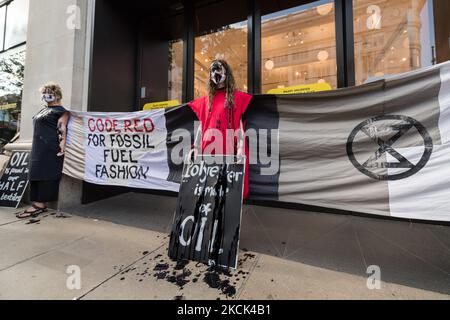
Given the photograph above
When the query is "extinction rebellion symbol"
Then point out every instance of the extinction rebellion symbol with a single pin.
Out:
(371, 142)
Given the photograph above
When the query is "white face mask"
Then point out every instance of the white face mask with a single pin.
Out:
(48, 97)
(218, 74)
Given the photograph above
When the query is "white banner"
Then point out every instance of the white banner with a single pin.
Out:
(121, 149)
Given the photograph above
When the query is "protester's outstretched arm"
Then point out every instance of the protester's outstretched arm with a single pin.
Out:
(62, 132)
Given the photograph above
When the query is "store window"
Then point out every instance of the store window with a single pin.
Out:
(161, 62)
(392, 37)
(16, 23)
(12, 67)
(2, 26)
(299, 46)
(175, 85)
(13, 34)
(221, 34)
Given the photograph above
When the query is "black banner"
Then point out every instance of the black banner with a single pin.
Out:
(207, 221)
(14, 180)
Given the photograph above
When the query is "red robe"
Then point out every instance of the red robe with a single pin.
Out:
(217, 119)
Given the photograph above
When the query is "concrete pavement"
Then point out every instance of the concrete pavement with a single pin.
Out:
(286, 254)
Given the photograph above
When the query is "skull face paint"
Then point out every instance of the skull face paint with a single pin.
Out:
(48, 97)
(218, 74)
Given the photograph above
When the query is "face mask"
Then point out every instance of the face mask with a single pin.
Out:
(48, 97)
(218, 74)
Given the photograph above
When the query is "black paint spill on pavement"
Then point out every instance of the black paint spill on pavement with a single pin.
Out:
(161, 275)
(213, 280)
(62, 216)
(181, 264)
(180, 273)
(161, 267)
(33, 221)
(181, 279)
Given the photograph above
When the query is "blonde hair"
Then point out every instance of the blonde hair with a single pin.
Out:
(53, 88)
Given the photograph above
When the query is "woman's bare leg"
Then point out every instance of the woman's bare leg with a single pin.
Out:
(40, 205)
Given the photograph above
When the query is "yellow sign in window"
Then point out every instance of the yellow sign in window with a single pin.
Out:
(8, 106)
(161, 105)
(309, 88)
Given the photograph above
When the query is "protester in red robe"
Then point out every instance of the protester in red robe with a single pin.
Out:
(220, 113)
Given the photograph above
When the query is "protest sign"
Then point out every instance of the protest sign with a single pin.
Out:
(14, 180)
(119, 149)
(207, 220)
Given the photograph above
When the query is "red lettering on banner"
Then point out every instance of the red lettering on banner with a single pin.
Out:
(92, 129)
(148, 125)
(108, 125)
(115, 126)
(127, 124)
(98, 123)
(137, 125)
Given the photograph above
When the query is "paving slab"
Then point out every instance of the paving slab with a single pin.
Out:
(98, 248)
(138, 210)
(402, 263)
(121, 252)
(156, 277)
(275, 278)
(8, 215)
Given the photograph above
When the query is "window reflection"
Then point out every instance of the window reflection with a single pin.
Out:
(2, 25)
(175, 85)
(391, 37)
(299, 46)
(229, 43)
(11, 85)
(16, 23)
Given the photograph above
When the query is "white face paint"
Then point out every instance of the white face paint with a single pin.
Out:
(48, 97)
(218, 74)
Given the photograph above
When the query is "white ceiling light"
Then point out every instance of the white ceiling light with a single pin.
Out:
(269, 65)
(325, 9)
(322, 55)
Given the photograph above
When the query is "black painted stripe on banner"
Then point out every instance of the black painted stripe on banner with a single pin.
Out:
(181, 117)
(262, 113)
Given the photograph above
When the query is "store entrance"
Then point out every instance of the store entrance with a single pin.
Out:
(160, 56)
(137, 58)
(140, 55)
(137, 54)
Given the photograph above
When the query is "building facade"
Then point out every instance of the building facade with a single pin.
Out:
(114, 56)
